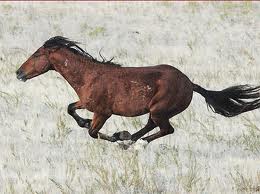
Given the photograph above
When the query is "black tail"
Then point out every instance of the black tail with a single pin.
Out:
(231, 101)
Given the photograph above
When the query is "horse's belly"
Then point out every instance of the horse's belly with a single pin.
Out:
(130, 111)
(132, 105)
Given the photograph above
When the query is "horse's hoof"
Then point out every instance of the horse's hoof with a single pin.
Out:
(122, 135)
(87, 125)
(84, 123)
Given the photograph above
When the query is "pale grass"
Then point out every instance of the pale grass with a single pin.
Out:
(44, 151)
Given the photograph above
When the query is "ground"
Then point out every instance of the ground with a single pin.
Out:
(216, 44)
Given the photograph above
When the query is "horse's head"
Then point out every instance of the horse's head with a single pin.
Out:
(37, 64)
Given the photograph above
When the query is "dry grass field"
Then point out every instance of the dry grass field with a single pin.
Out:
(43, 151)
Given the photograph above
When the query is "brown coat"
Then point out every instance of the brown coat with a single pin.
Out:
(105, 88)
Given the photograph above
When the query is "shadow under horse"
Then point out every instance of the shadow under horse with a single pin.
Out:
(106, 88)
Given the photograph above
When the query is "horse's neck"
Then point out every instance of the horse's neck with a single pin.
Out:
(76, 69)
(73, 71)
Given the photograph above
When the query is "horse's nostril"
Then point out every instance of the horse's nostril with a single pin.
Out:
(20, 75)
(18, 72)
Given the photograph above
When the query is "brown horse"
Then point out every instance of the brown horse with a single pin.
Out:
(106, 88)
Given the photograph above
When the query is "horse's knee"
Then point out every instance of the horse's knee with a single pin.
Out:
(71, 108)
(93, 133)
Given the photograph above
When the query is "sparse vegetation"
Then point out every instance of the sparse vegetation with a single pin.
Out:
(94, 32)
(44, 151)
(251, 138)
(61, 133)
(246, 183)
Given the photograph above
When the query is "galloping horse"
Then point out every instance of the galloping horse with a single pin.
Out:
(106, 88)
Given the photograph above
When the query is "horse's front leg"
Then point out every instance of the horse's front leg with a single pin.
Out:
(93, 126)
(72, 111)
(97, 123)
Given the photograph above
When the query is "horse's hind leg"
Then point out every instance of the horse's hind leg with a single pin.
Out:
(125, 135)
(165, 128)
(148, 127)
(72, 111)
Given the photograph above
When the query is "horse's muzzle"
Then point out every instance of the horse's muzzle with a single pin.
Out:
(21, 75)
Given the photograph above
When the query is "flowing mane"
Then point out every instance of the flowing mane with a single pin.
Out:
(59, 42)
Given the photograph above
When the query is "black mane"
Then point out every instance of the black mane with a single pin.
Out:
(59, 41)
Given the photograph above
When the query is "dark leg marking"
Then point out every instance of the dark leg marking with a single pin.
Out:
(165, 129)
(122, 135)
(81, 122)
(148, 127)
